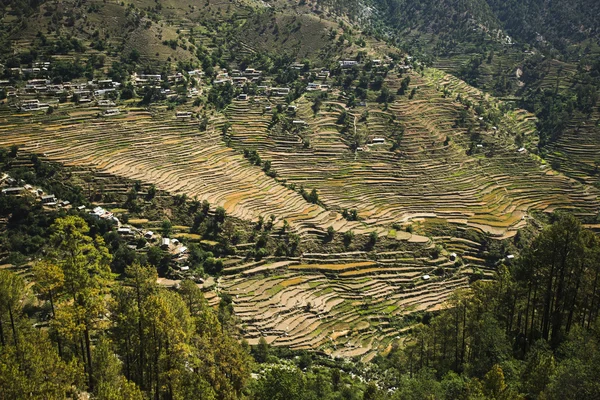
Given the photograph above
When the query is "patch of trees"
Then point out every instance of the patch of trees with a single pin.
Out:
(311, 197)
(350, 215)
(531, 332)
(129, 347)
(64, 71)
(220, 96)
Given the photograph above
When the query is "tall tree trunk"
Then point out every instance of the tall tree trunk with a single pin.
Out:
(557, 314)
(456, 348)
(140, 335)
(58, 341)
(2, 341)
(527, 317)
(88, 352)
(127, 359)
(574, 300)
(532, 326)
(594, 287)
(547, 303)
(464, 330)
(14, 331)
(170, 385)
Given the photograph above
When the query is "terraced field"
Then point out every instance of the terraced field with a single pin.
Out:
(431, 175)
(350, 304)
(159, 149)
(577, 151)
(343, 304)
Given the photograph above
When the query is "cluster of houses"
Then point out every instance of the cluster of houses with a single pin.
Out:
(10, 188)
(37, 69)
(84, 92)
(95, 90)
(157, 79)
(237, 77)
(179, 252)
(33, 105)
(97, 87)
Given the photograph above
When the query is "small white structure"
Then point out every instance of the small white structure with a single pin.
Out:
(521, 150)
(124, 231)
(378, 141)
(426, 277)
(111, 112)
(453, 257)
(33, 105)
(13, 190)
(183, 114)
(48, 199)
(348, 63)
(313, 86)
(298, 122)
(165, 242)
(106, 103)
(280, 91)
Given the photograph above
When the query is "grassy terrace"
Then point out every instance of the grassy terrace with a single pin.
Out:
(158, 149)
(344, 309)
(430, 176)
(347, 304)
(577, 151)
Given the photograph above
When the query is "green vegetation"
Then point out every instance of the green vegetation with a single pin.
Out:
(299, 200)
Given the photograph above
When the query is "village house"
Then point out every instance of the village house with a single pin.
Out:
(183, 114)
(111, 112)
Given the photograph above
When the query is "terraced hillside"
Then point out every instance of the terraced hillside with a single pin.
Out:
(172, 154)
(438, 171)
(344, 304)
(434, 171)
(430, 175)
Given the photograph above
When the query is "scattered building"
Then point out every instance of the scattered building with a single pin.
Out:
(125, 231)
(106, 103)
(183, 114)
(111, 112)
(280, 91)
(13, 191)
(49, 199)
(348, 63)
(33, 105)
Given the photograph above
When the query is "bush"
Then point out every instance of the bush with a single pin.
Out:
(348, 237)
